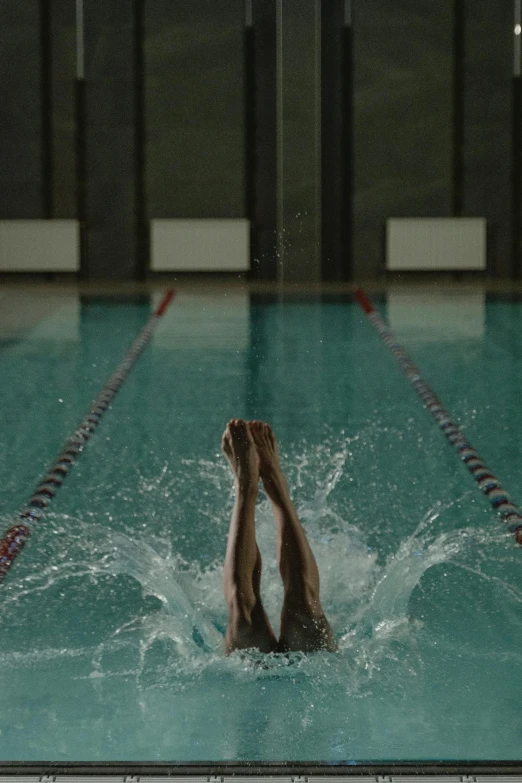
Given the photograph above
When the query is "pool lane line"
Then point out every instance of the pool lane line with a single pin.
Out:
(485, 478)
(14, 539)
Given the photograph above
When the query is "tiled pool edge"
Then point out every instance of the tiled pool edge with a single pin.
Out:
(283, 772)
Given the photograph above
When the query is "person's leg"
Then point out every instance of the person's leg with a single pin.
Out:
(248, 625)
(303, 623)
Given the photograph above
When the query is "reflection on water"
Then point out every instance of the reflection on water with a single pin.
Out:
(428, 315)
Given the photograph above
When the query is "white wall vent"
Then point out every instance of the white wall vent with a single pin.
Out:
(444, 244)
(39, 245)
(199, 245)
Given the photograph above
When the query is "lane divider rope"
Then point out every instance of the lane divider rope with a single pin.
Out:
(485, 478)
(15, 538)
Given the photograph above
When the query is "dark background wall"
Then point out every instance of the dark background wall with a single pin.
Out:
(110, 138)
(194, 115)
(262, 138)
(62, 47)
(194, 96)
(488, 154)
(20, 111)
(336, 140)
(402, 119)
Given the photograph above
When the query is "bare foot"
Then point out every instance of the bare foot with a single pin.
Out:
(239, 448)
(269, 468)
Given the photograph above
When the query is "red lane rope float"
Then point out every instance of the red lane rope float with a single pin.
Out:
(485, 478)
(14, 539)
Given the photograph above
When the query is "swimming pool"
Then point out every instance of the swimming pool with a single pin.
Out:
(112, 617)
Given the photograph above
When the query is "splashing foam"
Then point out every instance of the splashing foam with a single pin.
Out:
(367, 603)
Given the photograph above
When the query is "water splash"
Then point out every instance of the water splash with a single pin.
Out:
(182, 638)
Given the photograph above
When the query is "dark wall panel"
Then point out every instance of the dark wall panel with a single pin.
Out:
(63, 41)
(516, 181)
(265, 176)
(402, 118)
(488, 126)
(110, 140)
(195, 137)
(299, 129)
(335, 141)
(21, 193)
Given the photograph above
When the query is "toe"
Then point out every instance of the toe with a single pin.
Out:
(239, 431)
(225, 443)
(268, 435)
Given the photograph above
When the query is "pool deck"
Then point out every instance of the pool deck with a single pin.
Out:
(63, 284)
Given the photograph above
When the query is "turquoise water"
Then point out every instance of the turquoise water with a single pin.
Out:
(112, 619)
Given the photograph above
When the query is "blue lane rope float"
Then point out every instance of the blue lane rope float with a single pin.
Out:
(485, 478)
(15, 538)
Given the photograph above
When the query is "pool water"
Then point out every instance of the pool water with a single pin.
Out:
(112, 618)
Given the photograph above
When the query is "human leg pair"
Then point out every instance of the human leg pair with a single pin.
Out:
(251, 450)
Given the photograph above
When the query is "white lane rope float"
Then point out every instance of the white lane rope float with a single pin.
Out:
(14, 539)
(485, 478)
